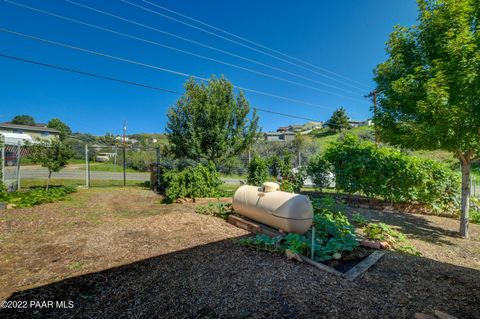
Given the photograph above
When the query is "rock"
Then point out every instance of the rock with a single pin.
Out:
(293, 256)
(443, 315)
(385, 245)
(370, 243)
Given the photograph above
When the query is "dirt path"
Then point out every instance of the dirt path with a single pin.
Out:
(121, 253)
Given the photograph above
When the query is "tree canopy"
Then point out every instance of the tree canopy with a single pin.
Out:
(23, 120)
(57, 124)
(210, 122)
(429, 87)
(51, 154)
(339, 120)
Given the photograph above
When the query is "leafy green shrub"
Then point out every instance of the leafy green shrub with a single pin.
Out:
(383, 232)
(359, 220)
(361, 166)
(474, 217)
(257, 171)
(221, 210)
(333, 234)
(319, 169)
(292, 179)
(140, 160)
(4, 196)
(193, 182)
(40, 196)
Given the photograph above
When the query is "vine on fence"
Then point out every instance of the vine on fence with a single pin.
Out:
(361, 166)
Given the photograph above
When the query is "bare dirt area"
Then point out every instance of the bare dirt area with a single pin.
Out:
(119, 253)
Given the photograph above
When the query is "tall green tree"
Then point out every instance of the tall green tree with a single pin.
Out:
(429, 87)
(53, 155)
(210, 122)
(23, 120)
(64, 129)
(339, 120)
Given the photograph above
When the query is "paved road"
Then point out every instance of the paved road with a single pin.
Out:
(75, 172)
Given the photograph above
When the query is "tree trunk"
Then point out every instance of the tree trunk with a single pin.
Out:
(48, 180)
(465, 162)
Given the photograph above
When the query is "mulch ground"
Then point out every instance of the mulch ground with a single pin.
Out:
(119, 253)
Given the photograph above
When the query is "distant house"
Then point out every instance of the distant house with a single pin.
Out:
(29, 132)
(279, 136)
(291, 128)
(283, 129)
(360, 123)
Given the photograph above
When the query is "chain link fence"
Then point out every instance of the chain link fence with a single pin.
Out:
(91, 166)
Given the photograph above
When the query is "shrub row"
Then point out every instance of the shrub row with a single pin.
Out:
(361, 166)
(192, 182)
(38, 196)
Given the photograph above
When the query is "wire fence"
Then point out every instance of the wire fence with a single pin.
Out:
(96, 165)
(91, 166)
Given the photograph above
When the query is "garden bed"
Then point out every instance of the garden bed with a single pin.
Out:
(350, 265)
(118, 252)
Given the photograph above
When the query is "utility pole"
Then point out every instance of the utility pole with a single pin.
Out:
(124, 154)
(373, 96)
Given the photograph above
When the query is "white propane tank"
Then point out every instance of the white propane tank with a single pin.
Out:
(292, 213)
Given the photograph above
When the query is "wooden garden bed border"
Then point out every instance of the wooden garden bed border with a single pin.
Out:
(351, 274)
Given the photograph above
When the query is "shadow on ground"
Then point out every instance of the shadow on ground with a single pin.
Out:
(225, 279)
(410, 224)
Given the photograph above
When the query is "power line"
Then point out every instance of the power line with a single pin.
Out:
(250, 47)
(184, 51)
(109, 78)
(60, 44)
(205, 45)
(286, 115)
(105, 77)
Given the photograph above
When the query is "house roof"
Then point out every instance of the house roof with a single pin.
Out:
(28, 128)
(274, 133)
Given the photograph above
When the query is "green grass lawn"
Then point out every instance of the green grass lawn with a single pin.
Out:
(76, 161)
(27, 183)
(109, 167)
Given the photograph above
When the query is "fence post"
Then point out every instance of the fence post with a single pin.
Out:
(87, 168)
(124, 167)
(157, 166)
(3, 164)
(115, 160)
(19, 151)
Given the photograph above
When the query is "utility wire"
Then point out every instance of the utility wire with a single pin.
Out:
(184, 51)
(287, 115)
(250, 47)
(105, 77)
(204, 45)
(64, 45)
(146, 86)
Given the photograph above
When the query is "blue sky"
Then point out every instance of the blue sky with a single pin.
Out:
(345, 37)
